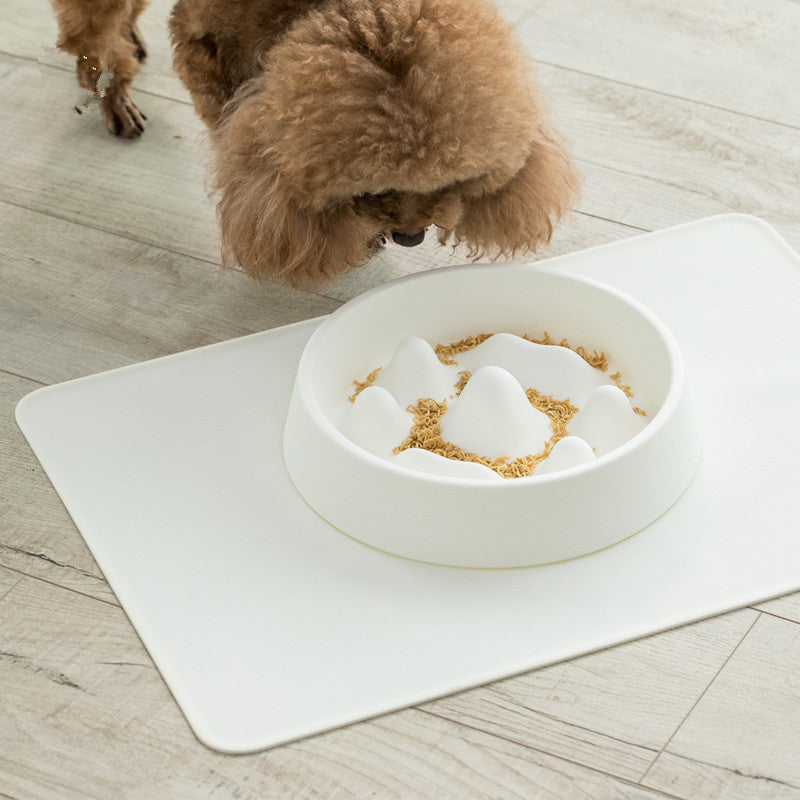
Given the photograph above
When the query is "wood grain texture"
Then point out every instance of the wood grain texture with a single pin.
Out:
(735, 55)
(85, 715)
(37, 536)
(69, 166)
(85, 301)
(693, 779)
(652, 161)
(8, 580)
(745, 727)
(787, 607)
(564, 709)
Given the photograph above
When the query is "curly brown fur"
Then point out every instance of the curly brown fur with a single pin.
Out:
(103, 35)
(336, 123)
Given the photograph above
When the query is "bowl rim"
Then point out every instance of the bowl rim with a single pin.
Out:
(675, 390)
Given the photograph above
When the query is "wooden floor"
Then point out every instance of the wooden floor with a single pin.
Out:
(109, 256)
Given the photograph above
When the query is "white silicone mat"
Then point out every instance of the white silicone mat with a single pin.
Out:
(269, 625)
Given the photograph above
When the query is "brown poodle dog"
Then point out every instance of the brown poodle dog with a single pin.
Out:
(337, 124)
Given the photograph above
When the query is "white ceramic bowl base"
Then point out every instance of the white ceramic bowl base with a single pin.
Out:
(473, 522)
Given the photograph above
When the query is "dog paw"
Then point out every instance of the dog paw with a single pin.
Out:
(122, 116)
(135, 35)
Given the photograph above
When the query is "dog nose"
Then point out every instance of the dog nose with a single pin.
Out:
(408, 239)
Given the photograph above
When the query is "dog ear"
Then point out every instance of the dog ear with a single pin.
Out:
(269, 235)
(521, 214)
(264, 226)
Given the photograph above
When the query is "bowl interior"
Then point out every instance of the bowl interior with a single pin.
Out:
(451, 304)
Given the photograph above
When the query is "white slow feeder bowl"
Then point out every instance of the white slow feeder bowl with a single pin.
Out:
(490, 523)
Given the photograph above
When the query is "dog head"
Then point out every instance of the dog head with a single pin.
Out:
(383, 119)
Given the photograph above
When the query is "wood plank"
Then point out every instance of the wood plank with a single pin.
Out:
(84, 301)
(787, 606)
(8, 580)
(151, 190)
(652, 161)
(740, 56)
(697, 780)
(81, 690)
(37, 536)
(612, 710)
(744, 731)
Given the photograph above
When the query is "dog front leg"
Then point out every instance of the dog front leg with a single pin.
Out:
(96, 32)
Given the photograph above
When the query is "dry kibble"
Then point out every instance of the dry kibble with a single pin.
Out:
(426, 433)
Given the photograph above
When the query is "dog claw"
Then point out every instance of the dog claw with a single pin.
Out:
(122, 115)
